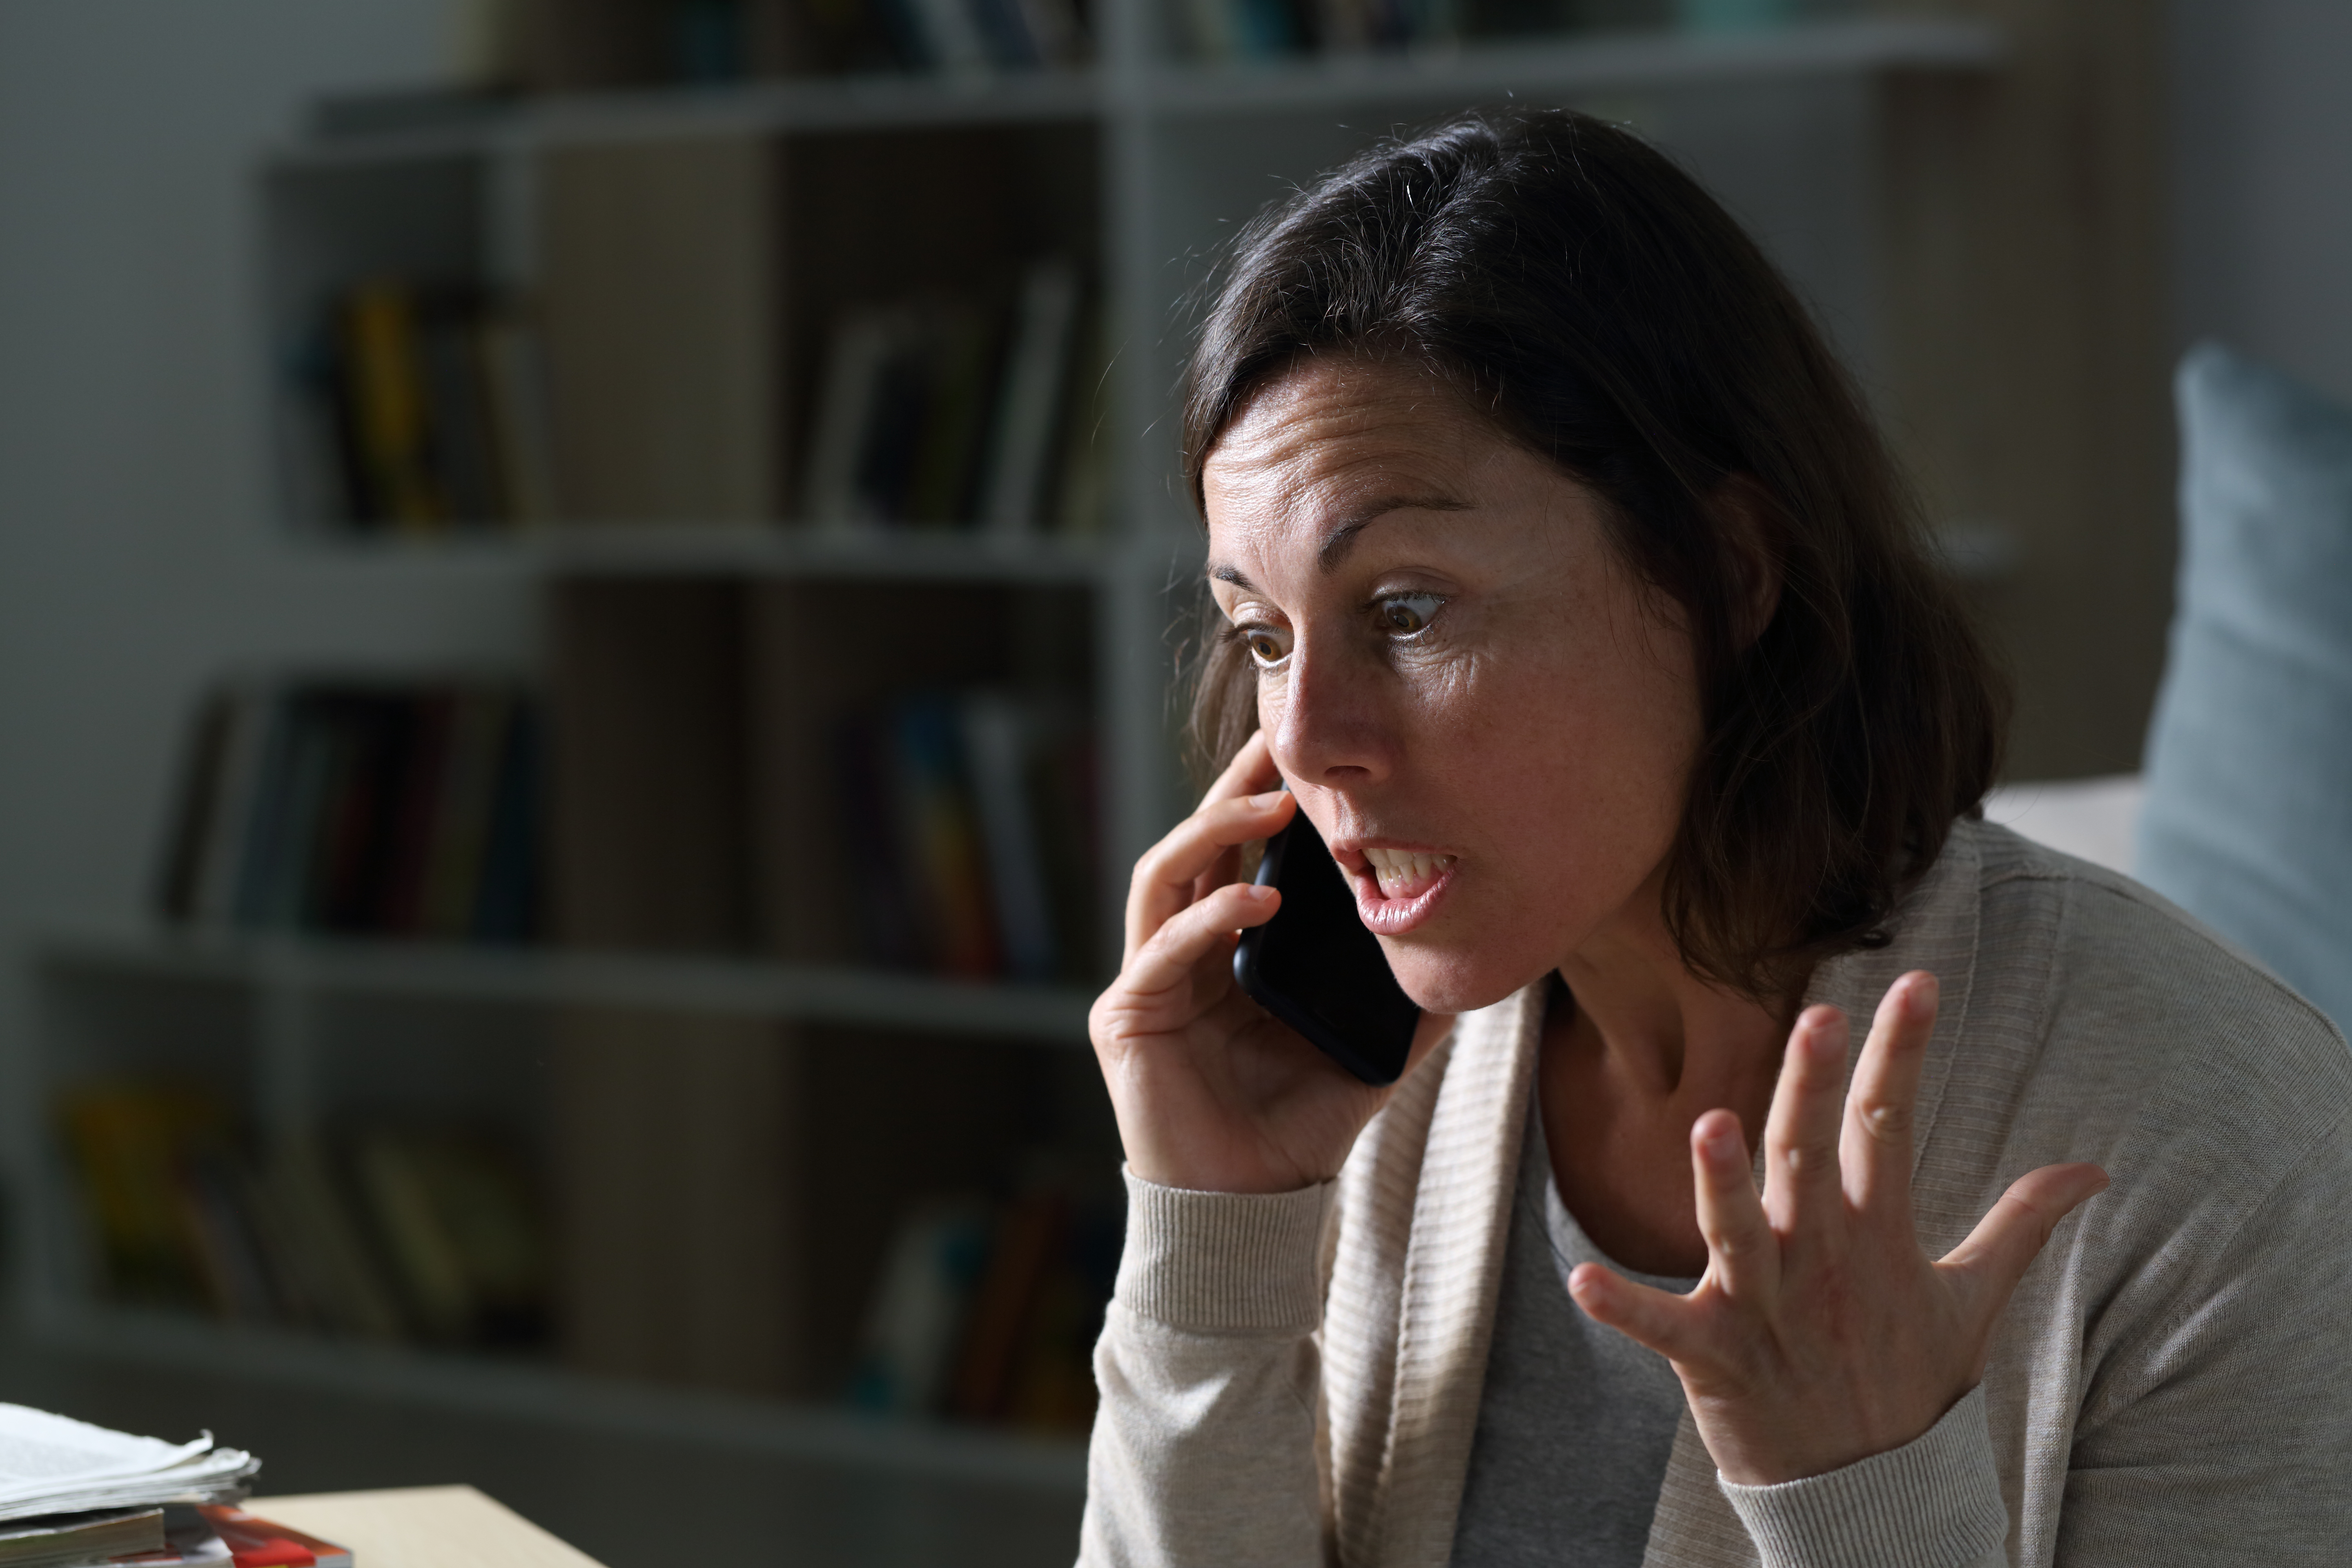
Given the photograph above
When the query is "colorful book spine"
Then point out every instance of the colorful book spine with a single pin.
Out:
(363, 809)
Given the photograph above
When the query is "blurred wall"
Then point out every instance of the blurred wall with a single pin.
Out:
(2262, 173)
(136, 549)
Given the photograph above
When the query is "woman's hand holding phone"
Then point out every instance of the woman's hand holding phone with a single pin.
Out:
(1212, 1093)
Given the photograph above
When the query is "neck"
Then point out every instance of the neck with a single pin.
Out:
(1663, 1031)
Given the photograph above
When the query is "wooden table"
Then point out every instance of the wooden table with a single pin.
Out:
(423, 1527)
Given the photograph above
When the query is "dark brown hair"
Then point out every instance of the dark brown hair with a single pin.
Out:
(1588, 296)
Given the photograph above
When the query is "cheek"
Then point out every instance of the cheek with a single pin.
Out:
(1577, 767)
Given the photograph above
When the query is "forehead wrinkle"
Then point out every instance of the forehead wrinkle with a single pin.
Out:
(1342, 539)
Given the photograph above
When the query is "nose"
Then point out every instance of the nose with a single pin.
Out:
(1328, 722)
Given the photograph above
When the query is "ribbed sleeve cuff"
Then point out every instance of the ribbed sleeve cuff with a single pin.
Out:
(1933, 1503)
(1224, 1261)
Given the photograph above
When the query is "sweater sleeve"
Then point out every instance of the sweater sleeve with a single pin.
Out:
(1204, 1447)
(2217, 1431)
(2220, 1430)
(1933, 1503)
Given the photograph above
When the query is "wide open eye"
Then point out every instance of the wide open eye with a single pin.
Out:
(1403, 615)
(1265, 644)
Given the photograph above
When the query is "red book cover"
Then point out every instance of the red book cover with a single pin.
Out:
(258, 1544)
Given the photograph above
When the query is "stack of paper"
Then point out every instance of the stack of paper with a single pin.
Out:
(66, 1472)
(53, 1465)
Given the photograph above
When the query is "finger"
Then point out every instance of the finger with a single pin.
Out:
(1252, 772)
(1801, 1136)
(1165, 878)
(1667, 1323)
(1996, 1255)
(1167, 960)
(1743, 1254)
(1881, 1108)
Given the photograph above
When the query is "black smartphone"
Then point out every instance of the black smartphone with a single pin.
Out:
(1315, 966)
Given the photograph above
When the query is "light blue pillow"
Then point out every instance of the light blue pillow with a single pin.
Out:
(2248, 824)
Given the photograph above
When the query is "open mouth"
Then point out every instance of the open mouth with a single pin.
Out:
(1396, 890)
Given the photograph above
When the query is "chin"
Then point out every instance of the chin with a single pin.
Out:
(1442, 981)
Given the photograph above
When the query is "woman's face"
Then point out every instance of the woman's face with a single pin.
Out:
(1489, 719)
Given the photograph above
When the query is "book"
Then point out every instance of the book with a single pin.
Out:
(343, 1287)
(462, 1231)
(126, 1144)
(1056, 30)
(852, 409)
(369, 808)
(998, 740)
(939, 838)
(915, 1318)
(410, 1233)
(380, 1231)
(203, 766)
(73, 1540)
(1029, 1233)
(951, 34)
(951, 420)
(463, 809)
(506, 898)
(464, 456)
(1029, 402)
(252, 1541)
(189, 1542)
(1082, 492)
(380, 380)
(968, 823)
(226, 780)
(882, 889)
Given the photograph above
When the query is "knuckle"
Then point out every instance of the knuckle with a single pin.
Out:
(1810, 1157)
(1886, 1121)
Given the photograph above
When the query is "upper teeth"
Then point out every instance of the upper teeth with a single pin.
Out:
(1404, 868)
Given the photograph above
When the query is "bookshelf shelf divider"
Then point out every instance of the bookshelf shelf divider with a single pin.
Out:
(484, 1385)
(278, 968)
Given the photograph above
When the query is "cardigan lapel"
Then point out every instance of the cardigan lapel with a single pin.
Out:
(1453, 1277)
(1935, 929)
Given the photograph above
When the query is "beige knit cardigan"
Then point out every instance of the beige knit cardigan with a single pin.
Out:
(1294, 1379)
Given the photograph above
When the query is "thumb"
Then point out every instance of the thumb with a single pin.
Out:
(1996, 1255)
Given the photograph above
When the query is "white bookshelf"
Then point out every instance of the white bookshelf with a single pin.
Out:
(1781, 122)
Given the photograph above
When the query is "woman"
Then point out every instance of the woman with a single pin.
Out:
(1564, 584)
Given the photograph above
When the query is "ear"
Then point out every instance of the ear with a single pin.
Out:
(1743, 513)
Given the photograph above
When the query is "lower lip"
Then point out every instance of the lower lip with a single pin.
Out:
(1394, 917)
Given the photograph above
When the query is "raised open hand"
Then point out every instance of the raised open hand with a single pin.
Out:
(1821, 1335)
(1211, 1092)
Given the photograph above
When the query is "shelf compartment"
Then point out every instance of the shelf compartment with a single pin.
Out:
(488, 1385)
(559, 977)
(1484, 71)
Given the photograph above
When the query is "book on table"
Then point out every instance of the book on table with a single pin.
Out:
(73, 1495)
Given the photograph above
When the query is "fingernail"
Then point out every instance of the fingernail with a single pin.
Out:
(1259, 893)
(1920, 1001)
(1269, 800)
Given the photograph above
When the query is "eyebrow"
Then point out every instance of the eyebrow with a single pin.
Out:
(1342, 538)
